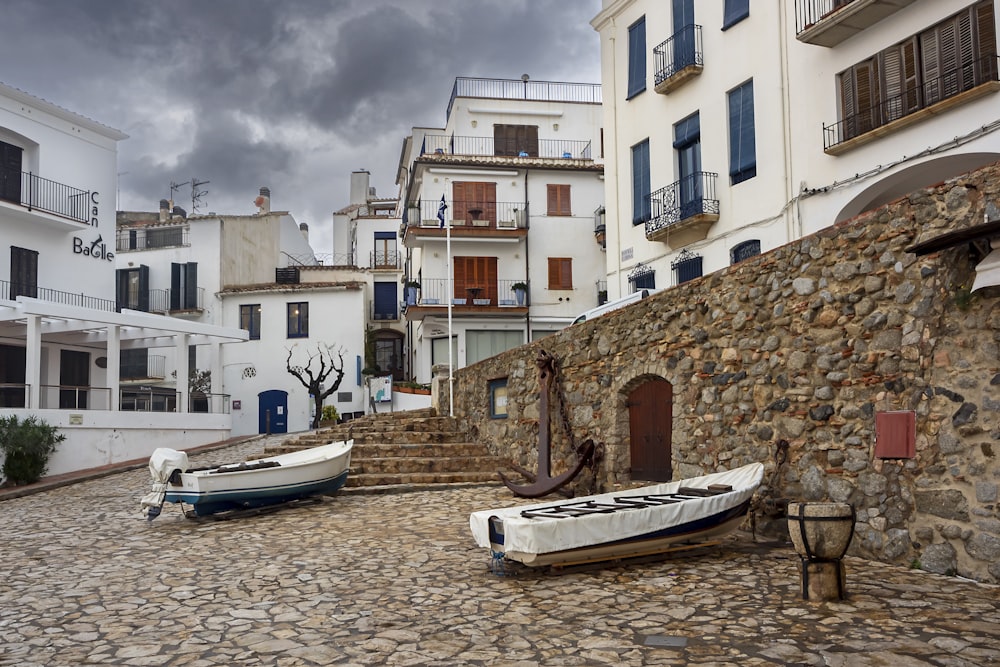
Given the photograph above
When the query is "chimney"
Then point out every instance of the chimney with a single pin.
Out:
(360, 186)
(164, 210)
(304, 228)
(263, 201)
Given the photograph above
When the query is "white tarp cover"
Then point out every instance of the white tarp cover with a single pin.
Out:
(988, 270)
(162, 464)
(545, 535)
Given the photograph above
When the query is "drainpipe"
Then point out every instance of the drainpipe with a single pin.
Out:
(527, 255)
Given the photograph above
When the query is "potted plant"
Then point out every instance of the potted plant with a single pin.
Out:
(520, 290)
(410, 290)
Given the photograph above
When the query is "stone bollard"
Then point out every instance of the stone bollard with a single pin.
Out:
(821, 534)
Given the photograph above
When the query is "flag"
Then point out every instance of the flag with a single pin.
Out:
(441, 210)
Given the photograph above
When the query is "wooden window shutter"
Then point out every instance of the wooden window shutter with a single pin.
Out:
(895, 434)
(558, 199)
(459, 203)
(930, 66)
(560, 273)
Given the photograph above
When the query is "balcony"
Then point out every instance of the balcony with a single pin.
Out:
(177, 302)
(35, 193)
(474, 300)
(386, 260)
(153, 367)
(150, 238)
(830, 22)
(959, 86)
(10, 291)
(524, 89)
(678, 59)
(683, 212)
(549, 149)
(384, 311)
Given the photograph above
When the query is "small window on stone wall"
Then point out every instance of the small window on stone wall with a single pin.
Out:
(895, 434)
(498, 398)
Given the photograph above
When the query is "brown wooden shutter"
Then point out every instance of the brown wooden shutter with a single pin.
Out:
(478, 272)
(560, 273)
(558, 199)
(986, 42)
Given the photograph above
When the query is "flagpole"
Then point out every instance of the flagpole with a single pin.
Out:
(450, 290)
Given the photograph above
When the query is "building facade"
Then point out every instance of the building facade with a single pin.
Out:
(736, 127)
(63, 335)
(503, 224)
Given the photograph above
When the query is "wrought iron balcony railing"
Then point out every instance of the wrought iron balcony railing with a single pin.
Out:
(561, 149)
(523, 89)
(386, 259)
(12, 290)
(434, 292)
(966, 77)
(494, 215)
(691, 196)
(681, 50)
(37, 193)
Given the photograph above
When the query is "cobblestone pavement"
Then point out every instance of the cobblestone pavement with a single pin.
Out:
(396, 579)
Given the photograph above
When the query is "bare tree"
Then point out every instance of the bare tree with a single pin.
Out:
(314, 378)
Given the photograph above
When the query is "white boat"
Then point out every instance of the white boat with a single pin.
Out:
(257, 483)
(626, 524)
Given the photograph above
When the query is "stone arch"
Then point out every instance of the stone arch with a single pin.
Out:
(915, 177)
(617, 451)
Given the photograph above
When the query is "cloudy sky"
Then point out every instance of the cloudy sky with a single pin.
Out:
(293, 94)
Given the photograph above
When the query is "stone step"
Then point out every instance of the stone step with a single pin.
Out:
(426, 478)
(410, 449)
(424, 464)
(432, 438)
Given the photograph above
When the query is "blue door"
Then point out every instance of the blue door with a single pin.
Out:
(272, 411)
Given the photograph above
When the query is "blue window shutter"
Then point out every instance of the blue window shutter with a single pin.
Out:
(641, 207)
(736, 11)
(688, 269)
(742, 142)
(385, 236)
(637, 57)
(688, 131)
(385, 301)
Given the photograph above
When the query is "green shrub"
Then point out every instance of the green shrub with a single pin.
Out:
(329, 413)
(27, 445)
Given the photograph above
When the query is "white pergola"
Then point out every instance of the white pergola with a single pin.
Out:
(34, 321)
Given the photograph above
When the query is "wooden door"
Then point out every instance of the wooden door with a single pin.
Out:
(650, 412)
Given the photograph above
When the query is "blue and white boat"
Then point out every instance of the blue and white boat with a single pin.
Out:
(621, 525)
(250, 484)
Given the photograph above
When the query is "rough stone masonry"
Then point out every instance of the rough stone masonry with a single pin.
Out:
(804, 344)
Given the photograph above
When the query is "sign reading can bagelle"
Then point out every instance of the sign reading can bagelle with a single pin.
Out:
(97, 248)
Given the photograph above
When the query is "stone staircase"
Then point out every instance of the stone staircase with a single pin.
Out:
(415, 449)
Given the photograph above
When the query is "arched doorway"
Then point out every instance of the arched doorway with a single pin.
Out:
(272, 411)
(650, 417)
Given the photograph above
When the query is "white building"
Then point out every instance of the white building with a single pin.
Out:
(519, 168)
(366, 238)
(732, 128)
(62, 335)
(254, 272)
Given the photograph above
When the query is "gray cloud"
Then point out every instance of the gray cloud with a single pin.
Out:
(293, 94)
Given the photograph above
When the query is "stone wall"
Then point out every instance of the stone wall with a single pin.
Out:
(804, 344)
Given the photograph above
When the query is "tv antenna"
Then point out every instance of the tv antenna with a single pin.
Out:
(196, 194)
(174, 187)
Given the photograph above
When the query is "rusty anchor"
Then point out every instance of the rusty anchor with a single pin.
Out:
(545, 483)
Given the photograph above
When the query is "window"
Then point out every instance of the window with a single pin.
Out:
(134, 364)
(636, 58)
(498, 398)
(10, 172)
(184, 286)
(558, 198)
(951, 57)
(250, 319)
(642, 277)
(476, 278)
(12, 364)
(560, 273)
(389, 353)
(685, 35)
(385, 251)
(23, 272)
(472, 201)
(641, 206)
(515, 140)
(133, 288)
(386, 302)
(481, 345)
(687, 267)
(745, 250)
(742, 142)
(164, 237)
(687, 142)
(298, 319)
(736, 11)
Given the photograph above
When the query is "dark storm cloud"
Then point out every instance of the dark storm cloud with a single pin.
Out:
(293, 94)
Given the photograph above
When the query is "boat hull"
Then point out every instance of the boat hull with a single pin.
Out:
(620, 525)
(316, 471)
